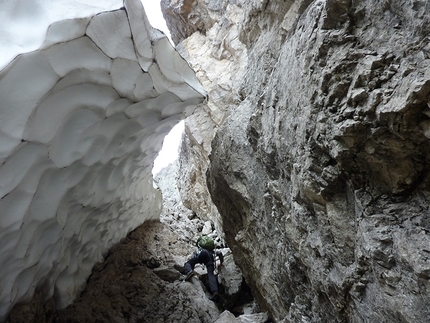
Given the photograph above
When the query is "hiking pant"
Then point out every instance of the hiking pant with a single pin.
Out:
(204, 257)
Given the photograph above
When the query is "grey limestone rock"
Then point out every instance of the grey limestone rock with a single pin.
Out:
(319, 167)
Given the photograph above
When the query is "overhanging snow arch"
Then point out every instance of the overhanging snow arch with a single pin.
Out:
(88, 93)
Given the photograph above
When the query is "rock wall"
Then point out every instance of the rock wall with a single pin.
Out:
(88, 93)
(319, 166)
(219, 60)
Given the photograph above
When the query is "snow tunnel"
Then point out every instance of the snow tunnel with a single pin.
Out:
(88, 92)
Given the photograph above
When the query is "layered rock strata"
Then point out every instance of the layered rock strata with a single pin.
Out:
(88, 93)
(320, 170)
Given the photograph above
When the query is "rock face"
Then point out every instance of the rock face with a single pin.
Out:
(219, 60)
(320, 170)
(194, 16)
(87, 96)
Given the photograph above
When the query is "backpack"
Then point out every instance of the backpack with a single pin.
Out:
(206, 243)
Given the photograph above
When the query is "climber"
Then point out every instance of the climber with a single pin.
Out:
(206, 256)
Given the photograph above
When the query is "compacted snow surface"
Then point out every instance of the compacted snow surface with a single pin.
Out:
(88, 91)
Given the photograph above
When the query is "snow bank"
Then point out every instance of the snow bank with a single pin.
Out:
(88, 93)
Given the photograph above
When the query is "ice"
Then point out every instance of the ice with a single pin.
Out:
(126, 74)
(24, 24)
(65, 30)
(156, 104)
(80, 53)
(21, 87)
(50, 191)
(142, 32)
(55, 108)
(144, 88)
(18, 165)
(177, 108)
(80, 76)
(14, 206)
(148, 118)
(70, 143)
(163, 84)
(111, 33)
(85, 105)
(118, 106)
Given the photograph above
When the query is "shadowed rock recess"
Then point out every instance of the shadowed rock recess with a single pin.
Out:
(306, 153)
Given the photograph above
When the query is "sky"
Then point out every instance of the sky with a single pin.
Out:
(169, 152)
(155, 17)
